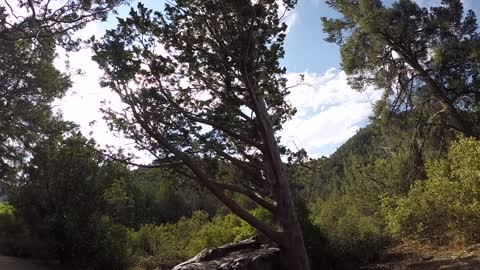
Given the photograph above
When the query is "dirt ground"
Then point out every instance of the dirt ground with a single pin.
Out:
(421, 257)
(405, 257)
(12, 263)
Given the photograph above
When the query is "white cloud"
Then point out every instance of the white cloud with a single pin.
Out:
(329, 112)
(428, 3)
(431, 3)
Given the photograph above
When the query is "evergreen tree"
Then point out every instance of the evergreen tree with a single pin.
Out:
(201, 83)
(63, 200)
(426, 61)
(29, 82)
(36, 20)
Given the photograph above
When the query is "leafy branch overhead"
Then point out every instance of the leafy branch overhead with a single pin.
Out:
(30, 31)
(425, 60)
(36, 20)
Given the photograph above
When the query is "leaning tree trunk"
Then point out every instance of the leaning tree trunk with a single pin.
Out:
(292, 246)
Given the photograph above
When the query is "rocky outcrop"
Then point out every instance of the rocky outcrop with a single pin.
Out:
(249, 254)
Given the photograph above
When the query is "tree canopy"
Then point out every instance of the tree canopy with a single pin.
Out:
(426, 61)
(205, 94)
(35, 20)
(202, 83)
(30, 32)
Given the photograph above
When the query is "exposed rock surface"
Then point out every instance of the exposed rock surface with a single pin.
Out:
(249, 254)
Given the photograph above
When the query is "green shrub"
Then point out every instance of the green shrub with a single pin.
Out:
(6, 209)
(16, 239)
(223, 229)
(110, 247)
(444, 207)
(352, 225)
(158, 245)
(8, 229)
(163, 246)
(101, 245)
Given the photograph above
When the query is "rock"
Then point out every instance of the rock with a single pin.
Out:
(248, 254)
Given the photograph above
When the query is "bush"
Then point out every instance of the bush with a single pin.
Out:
(6, 209)
(163, 246)
(101, 245)
(16, 239)
(350, 225)
(8, 229)
(158, 246)
(110, 247)
(222, 230)
(446, 206)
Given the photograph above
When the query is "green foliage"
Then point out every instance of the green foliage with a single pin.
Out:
(117, 200)
(320, 253)
(8, 229)
(225, 229)
(29, 82)
(109, 248)
(164, 196)
(348, 187)
(15, 236)
(351, 224)
(61, 203)
(6, 209)
(412, 54)
(444, 207)
(319, 178)
(51, 23)
(165, 245)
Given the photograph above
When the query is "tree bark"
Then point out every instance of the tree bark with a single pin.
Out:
(290, 240)
(292, 246)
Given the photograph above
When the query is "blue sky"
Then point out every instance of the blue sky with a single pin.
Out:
(329, 112)
(305, 48)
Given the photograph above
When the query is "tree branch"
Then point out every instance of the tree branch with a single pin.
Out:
(204, 180)
(250, 194)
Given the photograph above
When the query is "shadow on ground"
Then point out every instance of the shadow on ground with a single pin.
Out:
(13, 263)
(430, 259)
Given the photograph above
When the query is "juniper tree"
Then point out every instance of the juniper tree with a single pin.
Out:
(426, 61)
(38, 19)
(30, 31)
(201, 83)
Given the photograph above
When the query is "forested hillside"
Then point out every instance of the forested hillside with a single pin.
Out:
(209, 107)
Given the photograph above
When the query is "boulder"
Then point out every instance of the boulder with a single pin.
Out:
(248, 254)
